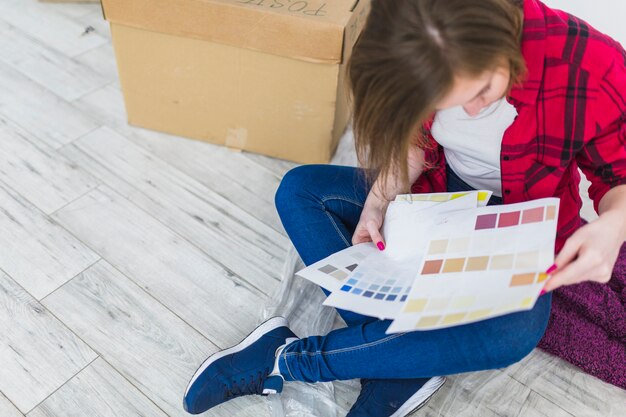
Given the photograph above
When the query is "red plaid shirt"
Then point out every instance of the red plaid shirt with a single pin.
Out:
(571, 114)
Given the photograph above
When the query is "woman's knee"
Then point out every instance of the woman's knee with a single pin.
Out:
(293, 182)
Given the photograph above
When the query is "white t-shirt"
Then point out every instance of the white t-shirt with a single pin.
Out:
(472, 144)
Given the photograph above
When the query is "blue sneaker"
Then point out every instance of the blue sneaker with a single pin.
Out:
(394, 397)
(244, 369)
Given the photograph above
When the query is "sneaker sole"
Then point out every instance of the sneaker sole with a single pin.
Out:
(261, 329)
(421, 397)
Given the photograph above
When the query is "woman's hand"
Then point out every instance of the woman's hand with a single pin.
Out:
(590, 253)
(376, 203)
(371, 221)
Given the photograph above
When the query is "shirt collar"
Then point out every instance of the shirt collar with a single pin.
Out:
(534, 52)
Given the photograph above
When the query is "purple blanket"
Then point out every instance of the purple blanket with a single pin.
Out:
(587, 326)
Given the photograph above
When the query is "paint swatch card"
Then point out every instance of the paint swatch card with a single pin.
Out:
(449, 260)
(380, 284)
(481, 263)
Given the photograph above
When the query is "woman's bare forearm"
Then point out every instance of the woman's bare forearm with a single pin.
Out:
(382, 193)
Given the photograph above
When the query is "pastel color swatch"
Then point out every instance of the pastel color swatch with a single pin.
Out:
(533, 215)
(415, 306)
(428, 321)
(438, 247)
(522, 279)
(454, 265)
(477, 263)
(500, 262)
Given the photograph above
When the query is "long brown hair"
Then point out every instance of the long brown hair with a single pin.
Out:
(405, 61)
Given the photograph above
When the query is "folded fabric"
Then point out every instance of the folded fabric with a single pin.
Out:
(587, 326)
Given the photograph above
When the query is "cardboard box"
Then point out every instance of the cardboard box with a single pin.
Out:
(265, 76)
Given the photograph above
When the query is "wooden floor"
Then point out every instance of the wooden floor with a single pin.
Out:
(128, 256)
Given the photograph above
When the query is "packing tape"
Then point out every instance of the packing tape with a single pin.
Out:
(236, 138)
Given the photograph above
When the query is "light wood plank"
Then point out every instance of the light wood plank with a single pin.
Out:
(102, 61)
(46, 179)
(35, 251)
(346, 393)
(97, 391)
(537, 406)
(576, 392)
(230, 174)
(241, 243)
(7, 409)
(106, 105)
(151, 347)
(95, 19)
(43, 114)
(71, 9)
(54, 29)
(485, 394)
(182, 277)
(38, 353)
(66, 77)
(277, 166)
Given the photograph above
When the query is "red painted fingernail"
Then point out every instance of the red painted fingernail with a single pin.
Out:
(381, 245)
(542, 293)
(551, 269)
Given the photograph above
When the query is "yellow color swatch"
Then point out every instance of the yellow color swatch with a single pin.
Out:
(428, 321)
(477, 263)
(457, 195)
(542, 277)
(479, 314)
(415, 306)
(454, 265)
(453, 318)
(526, 302)
(439, 197)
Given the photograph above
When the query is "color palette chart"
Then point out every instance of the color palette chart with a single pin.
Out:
(379, 286)
(481, 263)
(450, 260)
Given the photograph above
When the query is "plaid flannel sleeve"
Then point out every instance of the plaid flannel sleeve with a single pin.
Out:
(603, 157)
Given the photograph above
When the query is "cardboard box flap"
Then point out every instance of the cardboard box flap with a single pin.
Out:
(311, 30)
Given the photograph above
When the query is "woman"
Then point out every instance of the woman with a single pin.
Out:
(448, 95)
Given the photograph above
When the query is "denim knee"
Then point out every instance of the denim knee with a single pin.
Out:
(294, 181)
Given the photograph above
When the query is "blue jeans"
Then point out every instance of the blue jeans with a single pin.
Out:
(320, 206)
